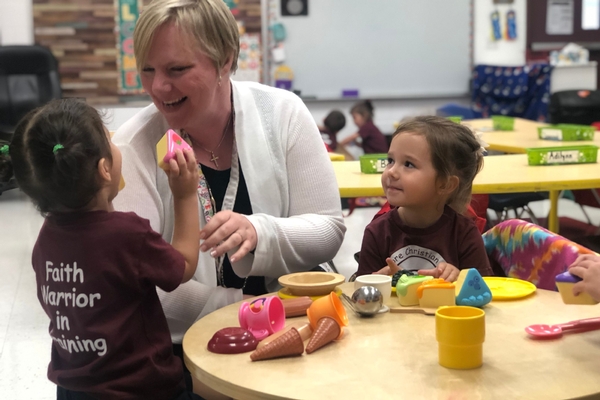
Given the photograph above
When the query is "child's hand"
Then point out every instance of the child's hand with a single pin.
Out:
(183, 174)
(390, 269)
(587, 267)
(445, 271)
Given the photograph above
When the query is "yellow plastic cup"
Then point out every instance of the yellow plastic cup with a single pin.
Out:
(460, 332)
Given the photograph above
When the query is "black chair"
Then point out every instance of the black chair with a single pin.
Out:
(518, 203)
(578, 107)
(29, 78)
(575, 107)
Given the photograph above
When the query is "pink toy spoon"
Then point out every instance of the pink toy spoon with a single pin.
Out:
(543, 331)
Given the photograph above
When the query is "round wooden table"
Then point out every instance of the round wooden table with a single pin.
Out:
(395, 356)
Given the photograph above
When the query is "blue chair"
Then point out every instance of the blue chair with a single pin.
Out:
(458, 110)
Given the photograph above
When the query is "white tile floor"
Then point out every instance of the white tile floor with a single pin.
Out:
(24, 342)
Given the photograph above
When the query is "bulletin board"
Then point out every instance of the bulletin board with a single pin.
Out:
(383, 48)
(128, 12)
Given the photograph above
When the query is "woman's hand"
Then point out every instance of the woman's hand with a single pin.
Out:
(587, 267)
(226, 230)
(445, 271)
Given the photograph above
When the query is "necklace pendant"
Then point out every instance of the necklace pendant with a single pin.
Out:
(214, 159)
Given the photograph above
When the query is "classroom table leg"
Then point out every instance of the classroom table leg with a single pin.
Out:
(553, 225)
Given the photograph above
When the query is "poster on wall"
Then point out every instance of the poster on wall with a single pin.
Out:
(249, 58)
(126, 16)
(233, 6)
(560, 17)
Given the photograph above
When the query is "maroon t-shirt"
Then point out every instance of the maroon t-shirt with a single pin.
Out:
(454, 239)
(96, 274)
(329, 138)
(373, 140)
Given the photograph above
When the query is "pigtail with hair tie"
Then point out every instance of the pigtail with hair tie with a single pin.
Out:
(482, 144)
(57, 147)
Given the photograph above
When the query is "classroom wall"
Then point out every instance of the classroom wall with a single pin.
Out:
(16, 27)
(501, 52)
(16, 22)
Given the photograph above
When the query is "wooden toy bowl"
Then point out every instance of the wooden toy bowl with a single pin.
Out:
(311, 283)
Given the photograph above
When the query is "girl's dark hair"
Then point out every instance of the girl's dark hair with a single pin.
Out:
(454, 151)
(364, 109)
(335, 121)
(5, 164)
(55, 152)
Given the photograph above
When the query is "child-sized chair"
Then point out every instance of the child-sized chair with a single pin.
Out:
(527, 251)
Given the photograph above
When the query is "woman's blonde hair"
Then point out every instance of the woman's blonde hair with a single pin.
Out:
(209, 24)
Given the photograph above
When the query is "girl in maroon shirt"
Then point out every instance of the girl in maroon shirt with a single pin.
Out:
(97, 269)
(432, 162)
(373, 141)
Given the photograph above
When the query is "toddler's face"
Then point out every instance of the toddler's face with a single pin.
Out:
(359, 120)
(115, 171)
(409, 180)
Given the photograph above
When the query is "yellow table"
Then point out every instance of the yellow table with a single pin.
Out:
(523, 136)
(395, 356)
(500, 174)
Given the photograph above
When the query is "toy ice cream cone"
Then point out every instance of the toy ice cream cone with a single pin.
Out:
(289, 344)
(327, 330)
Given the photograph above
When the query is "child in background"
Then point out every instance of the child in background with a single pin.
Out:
(332, 124)
(373, 141)
(432, 162)
(587, 267)
(97, 269)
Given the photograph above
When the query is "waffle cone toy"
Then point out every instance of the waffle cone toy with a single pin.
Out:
(327, 330)
(288, 344)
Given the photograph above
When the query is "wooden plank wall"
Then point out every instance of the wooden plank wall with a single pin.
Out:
(81, 34)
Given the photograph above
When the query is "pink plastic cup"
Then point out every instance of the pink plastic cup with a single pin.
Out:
(263, 316)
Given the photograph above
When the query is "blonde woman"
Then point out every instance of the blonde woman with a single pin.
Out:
(268, 196)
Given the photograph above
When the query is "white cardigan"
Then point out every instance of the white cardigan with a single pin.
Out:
(291, 184)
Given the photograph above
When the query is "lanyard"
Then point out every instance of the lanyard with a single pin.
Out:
(208, 204)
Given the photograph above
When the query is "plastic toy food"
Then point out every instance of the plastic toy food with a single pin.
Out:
(471, 289)
(400, 273)
(436, 293)
(303, 328)
(327, 330)
(328, 306)
(165, 148)
(263, 316)
(296, 307)
(232, 341)
(289, 344)
(406, 289)
(564, 283)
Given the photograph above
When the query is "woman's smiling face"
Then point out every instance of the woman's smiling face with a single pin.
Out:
(181, 80)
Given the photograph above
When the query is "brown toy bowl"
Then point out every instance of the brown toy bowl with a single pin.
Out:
(311, 283)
